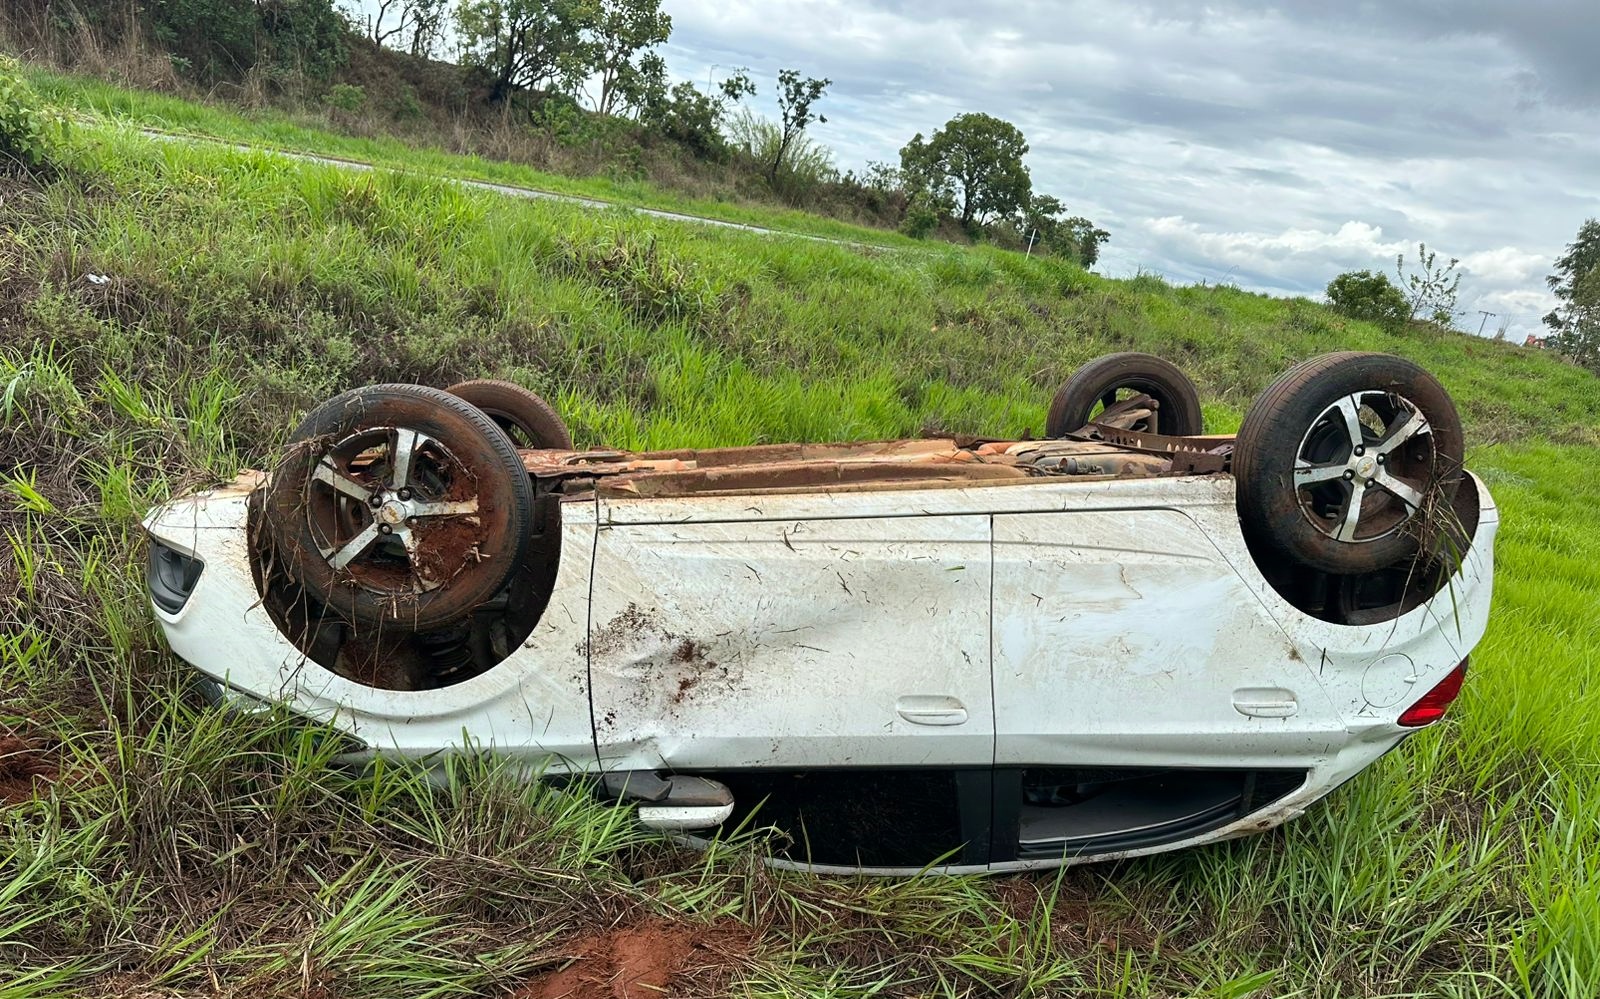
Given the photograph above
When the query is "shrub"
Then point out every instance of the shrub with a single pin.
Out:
(29, 131)
(1369, 296)
(345, 97)
(803, 164)
(921, 220)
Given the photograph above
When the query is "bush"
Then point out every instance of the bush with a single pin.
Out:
(921, 220)
(1369, 296)
(804, 165)
(29, 131)
(345, 97)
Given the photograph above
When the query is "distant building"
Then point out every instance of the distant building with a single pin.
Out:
(1533, 341)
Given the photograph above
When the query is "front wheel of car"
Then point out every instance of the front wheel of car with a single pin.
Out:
(399, 506)
(1348, 463)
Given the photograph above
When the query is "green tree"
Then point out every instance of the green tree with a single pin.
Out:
(795, 97)
(974, 161)
(1370, 296)
(1430, 290)
(224, 39)
(928, 190)
(689, 117)
(626, 29)
(528, 45)
(1044, 220)
(1575, 322)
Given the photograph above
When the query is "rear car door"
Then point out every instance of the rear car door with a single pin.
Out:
(835, 666)
(1141, 689)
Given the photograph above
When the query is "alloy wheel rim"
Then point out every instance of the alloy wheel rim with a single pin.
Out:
(1365, 467)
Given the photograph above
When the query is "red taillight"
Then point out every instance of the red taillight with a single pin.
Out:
(1436, 701)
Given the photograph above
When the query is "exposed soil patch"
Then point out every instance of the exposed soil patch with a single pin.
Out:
(22, 766)
(647, 960)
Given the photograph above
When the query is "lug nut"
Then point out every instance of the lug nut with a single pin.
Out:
(1348, 475)
(375, 501)
(1381, 459)
(405, 494)
(411, 522)
(1360, 450)
(1372, 482)
(384, 529)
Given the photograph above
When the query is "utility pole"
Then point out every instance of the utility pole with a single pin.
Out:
(1486, 316)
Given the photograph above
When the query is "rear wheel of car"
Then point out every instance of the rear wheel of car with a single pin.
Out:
(1348, 463)
(525, 417)
(401, 506)
(1107, 380)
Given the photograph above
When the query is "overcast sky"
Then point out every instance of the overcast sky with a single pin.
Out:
(1267, 145)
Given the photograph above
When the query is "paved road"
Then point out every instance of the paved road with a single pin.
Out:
(503, 189)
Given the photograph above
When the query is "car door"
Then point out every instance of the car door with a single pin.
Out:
(719, 640)
(1125, 648)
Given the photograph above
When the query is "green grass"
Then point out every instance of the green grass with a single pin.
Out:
(97, 102)
(183, 852)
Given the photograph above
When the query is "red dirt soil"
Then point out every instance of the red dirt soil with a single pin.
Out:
(21, 764)
(647, 960)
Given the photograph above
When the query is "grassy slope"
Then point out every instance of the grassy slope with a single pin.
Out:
(97, 101)
(183, 853)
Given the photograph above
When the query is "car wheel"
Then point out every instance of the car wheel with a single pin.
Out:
(1348, 462)
(1106, 380)
(400, 505)
(525, 417)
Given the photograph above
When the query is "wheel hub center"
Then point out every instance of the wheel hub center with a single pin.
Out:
(1366, 466)
(393, 513)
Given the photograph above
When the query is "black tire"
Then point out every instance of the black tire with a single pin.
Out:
(1309, 492)
(1098, 381)
(526, 418)
(452, 517)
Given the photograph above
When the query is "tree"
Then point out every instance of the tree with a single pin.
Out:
(1431, 291)
(1074, 237)
(1575, 322)
(427, 26)
(623, 29)
(927, 187)
(1369, 296)
(536, 45)
(422, 18)
(687, 116)
(975, 160)
(795, 97)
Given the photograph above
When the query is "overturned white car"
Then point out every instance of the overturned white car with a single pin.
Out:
(985, 655)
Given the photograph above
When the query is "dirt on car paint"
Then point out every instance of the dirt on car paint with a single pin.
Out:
(23, 766)
(673, 667)
(646, 960)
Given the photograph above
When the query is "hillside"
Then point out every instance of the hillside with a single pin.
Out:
(167, 311)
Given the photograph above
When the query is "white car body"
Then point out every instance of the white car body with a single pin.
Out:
(981, 629)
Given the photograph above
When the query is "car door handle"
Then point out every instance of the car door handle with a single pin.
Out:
(1265, 702)
(928, 709)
